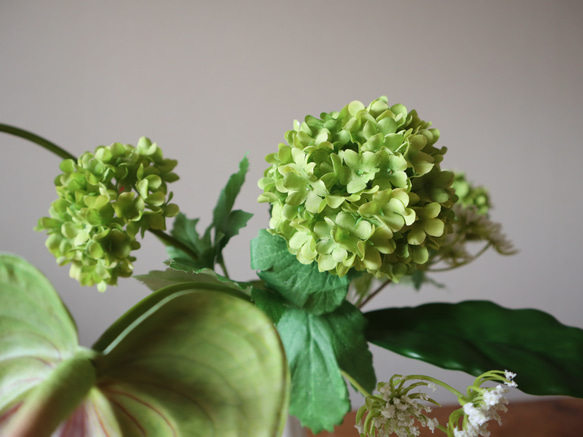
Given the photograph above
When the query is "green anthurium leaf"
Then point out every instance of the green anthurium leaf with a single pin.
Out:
(36, 331)
(476, 336)
(185, 362)
(197, 363)
(301, 284)
(318, 348)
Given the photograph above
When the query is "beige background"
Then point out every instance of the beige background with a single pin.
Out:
(210, 81)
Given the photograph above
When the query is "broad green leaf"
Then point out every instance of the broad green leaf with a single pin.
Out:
(197, 363)
(303, 285)
(476, 336)
(194, 362)
(36, 330)
(318, 347)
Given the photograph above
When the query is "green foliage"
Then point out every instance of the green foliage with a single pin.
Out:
(225, 225)
(303, 285)
(476, 336)
(360, 189)
(318, 348)
(193, 360)
(105, 199)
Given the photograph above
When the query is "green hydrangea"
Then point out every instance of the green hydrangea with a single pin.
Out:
(105, 199)
(360, 189)
(470, 195)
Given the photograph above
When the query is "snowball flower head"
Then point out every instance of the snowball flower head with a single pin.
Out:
(105, 199)
(361, 188)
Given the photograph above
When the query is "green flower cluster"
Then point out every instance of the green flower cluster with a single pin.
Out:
(361, 188)
(105, 199)
(470, 195)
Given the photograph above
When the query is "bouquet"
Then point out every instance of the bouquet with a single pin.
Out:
(358, 201)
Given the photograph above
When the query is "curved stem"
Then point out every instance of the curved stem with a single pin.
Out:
(437, 382)
(455, 266)
(374, 293)
(171, 241)
(44, 143)
(224, 267)
(355, 384)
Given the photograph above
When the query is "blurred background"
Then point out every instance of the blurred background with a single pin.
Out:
(211, 81)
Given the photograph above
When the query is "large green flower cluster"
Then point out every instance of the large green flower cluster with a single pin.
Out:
(360, 189)
(105, 199)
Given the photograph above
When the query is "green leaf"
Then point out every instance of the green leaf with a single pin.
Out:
(225, 225)
(301, 284)
(477, 336)
(191, 359)
(197, 363)
(184, 230)
(318, 347)
(37, 330)
(156, 279)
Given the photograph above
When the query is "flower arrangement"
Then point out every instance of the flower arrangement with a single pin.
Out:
(358, 200)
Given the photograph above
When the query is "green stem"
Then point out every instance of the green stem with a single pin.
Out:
(455, 266)
(46, 144)
(437, 382)
(355, 384)
(55, 399)
(224, 267)
(373, 294)
(171, 241)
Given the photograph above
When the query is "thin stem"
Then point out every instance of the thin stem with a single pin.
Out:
(437, 382)
(44, 143)
(224, 267)
(374, 293)
(355, 384)
(455, 266)
(171, 241)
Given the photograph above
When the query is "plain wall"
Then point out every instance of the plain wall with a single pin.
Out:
(210, 81)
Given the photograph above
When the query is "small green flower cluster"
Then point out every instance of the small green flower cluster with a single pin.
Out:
(481, 405)
(361, 188)
(105, 199)
(470, 195)
(397, 409)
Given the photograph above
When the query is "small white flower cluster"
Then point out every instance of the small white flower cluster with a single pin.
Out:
(483, 408)
(397, 413)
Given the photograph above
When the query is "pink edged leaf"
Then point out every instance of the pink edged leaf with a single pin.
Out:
(189, 360)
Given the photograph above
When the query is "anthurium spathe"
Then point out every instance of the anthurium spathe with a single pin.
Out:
(191, 360)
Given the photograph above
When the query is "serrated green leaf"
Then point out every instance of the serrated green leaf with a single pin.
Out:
(228, 195)
(477, 336)
(303, 285)
(226, 224)
(184, 230)
(156, 279)
(318, 347)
